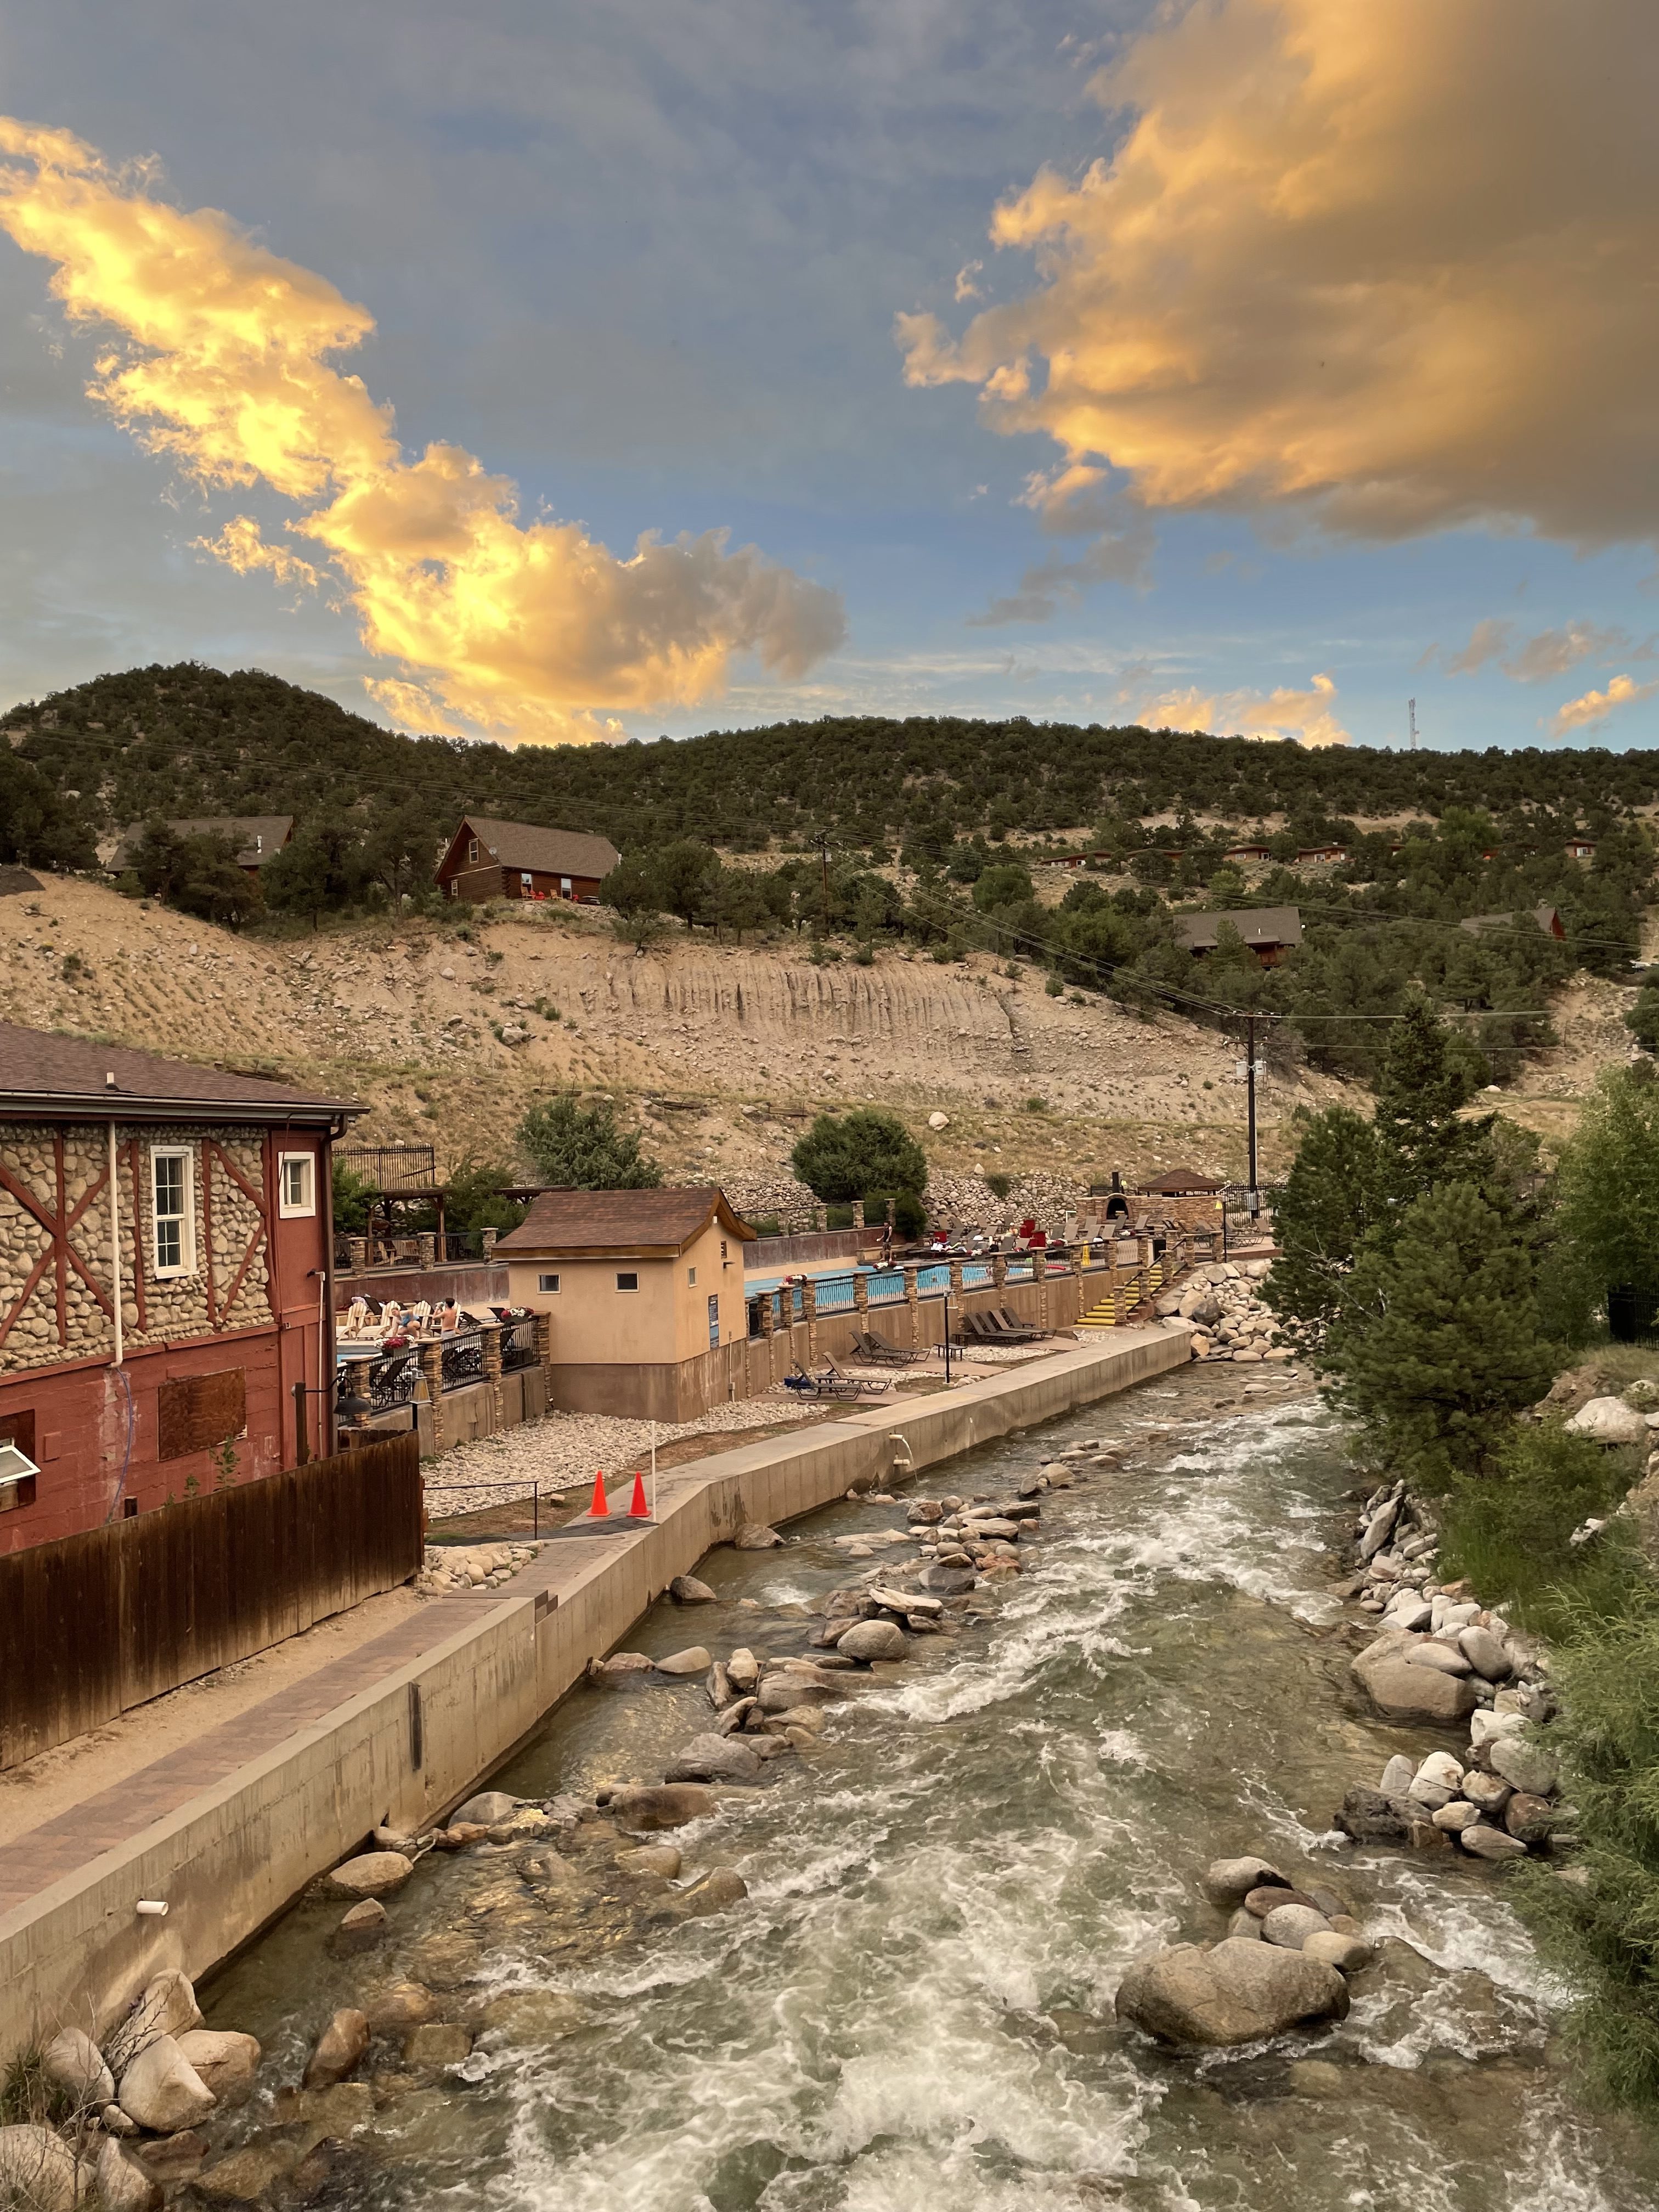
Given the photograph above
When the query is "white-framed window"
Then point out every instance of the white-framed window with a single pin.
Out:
(296, 1184)
(691, 1277)
(628, 1279)
(472, 852)
(454, 888)
(172, 1211)
(547, 1282)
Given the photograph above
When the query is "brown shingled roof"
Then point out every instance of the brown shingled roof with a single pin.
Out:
(1175, 1182)
(544, 851)
(650, 1224)
(63, 1076)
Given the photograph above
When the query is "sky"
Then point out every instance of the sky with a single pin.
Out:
(548, 372)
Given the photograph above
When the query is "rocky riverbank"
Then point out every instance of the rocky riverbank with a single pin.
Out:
(1223, 1300)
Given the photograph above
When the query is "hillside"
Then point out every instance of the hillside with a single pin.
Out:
(190, 740)
(716, 1053)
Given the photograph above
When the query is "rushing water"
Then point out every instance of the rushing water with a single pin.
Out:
(913, 2010)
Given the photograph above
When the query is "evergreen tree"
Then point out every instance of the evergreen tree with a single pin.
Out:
(1334, 1195)
(858, 1154)
(1437, 1344)
(1608, 1218)
(1428, 1076)
(577, 1147)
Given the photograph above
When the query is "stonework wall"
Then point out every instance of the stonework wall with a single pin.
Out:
(55, 1295)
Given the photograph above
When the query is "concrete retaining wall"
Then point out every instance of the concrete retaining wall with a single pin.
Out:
(235, 1856)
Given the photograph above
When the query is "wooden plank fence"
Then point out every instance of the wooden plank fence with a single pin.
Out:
(97, 1623)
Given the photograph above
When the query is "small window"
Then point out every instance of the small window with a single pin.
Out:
(296, 1185)
(454, 888)
(714, 1323)
(722, 1248)
(472, 852)
(17, 1477)
(630, 1281)
(173, 1212)
(691, 1277)
(547, 1282)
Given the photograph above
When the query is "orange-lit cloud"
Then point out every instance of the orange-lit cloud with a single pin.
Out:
(1595, 707)
(1387, 266)
(526, 629)
(1308, 716)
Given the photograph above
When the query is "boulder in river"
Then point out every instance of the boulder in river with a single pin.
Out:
(743, 1669)
(693, 1660)
(755, 1536)
(167, 2007)
(360, 1929)
(1347, 1953)
(1370, 1818)
(872, 1639)
(339, 2047)
(403, 2006)
(1488, 1793)
(1485, 1652)
(1402, 1692)
(488, 1809)
(1289, 1926)
(1238, 1992)
(686, 1590)
(1526, 1763)
(715, 1759)
(1528, 1817)
(162, 2091)
(1229, 1881)
(713, 1893)
(1444, 1658)
(122, 2183)
(1484, 1843)
(943, 1581)
(372, 1873)
(1397, 1777)
(226, 2061)
(668, 1805)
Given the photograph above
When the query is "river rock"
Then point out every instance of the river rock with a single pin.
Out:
(659, 1862)
(167, 2007)
(534, 2016)
(226, 2061)
(339, 2047)
(1397, 1777)
(670, 1805)
(374, 1873)
(872, 1639)
(1370, 1818)
(1437, 1780)
(1246, 1924)
(1228, 1882)
(1236, 1993)
(360, 1929)
(905, 1601)
(1409, 1614)
(1400, 1692)
(436, 2043)
(743, 1669)
(37, 2169)
(1485, 1652)
(161, 2090)
(780, 1691)
(403, 2006)
(1347, 1953)
(1525, 1763)
(1489, 1792)
(715, 1759)
(249, 2175)
(686, 1590)
(755, 1536)
(122, 2183)
(1457, 1815)
(1442, 1657)
(487, 1810)
(1609, 1421)
(713, 1893)
(945, 1581)
(73, 2061)
(693, 1660)
(1289, 1926)
(169, 2159)
(1269, 1895)
(1529, 1817)
(1379, 1528)
(1484, 1843)
(1485, 1728)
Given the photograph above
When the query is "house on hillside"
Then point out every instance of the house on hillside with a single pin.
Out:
(489, 859)
(165, 1250)
(1580, 849)
(645, 1290)
(1321, 856)
(253, 837)
(1541, 917)
(1243, 856)
(1269, 932)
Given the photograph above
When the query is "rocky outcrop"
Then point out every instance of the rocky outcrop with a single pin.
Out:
(1237, 1992)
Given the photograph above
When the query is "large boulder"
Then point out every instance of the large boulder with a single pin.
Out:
(226, 2061)
(715, 1759)
(726, 1886)
(785, 1687)
(403, 2005)
(167, 2007)
(339, 2047)
(162, 2091)
(1228, 1882)
(693, 1660)
(1485, 1652)
(755, 1536)
(74, 2062)
(37, 2170)
(1484, 1843)
(669, 1805)
(1525, 1762)
(372, 1873)
(122, 2183)
(487, 1810)
(872, 1639)
(1236, 1993)
(1609, 1421)
(1371, 1818)
(360, 1929)
(686, 1590)
(1289, 1926)
(1402, 1692)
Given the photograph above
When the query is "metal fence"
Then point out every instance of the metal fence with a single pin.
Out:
(96, 1624)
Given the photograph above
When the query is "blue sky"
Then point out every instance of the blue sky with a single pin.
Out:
(646, 261)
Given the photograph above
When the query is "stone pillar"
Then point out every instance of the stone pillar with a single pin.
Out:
(955, 1275)
(809, 1309)
(544, 1339)
(432, 1376)
(492, 1376)
(357, 1254)
(910, 1272)
(858, 1213)
(769, 1313)
(487, 1241)
(428, 1243)
(860, 1294)
(1000, 1271)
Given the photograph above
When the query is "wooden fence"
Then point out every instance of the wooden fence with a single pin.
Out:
(96, 1624)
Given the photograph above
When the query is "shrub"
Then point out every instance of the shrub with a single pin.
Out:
(838, 1216)
(1054, 987)
(1510, 1531)
(577, 1147)
(1036, 1105)
(852, 1155)
(1000, 1185)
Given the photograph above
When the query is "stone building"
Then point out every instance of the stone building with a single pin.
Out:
(166, 1248)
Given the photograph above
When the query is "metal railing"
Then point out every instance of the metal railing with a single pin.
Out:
(462, 1360)
(519, 1344)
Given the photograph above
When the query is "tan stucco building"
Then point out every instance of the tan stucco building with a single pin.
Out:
(645, 1292)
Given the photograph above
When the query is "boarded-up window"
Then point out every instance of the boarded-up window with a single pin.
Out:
(198, 1411)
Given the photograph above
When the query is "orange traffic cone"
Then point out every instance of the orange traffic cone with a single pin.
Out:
(639, 1511)
(599, 1510)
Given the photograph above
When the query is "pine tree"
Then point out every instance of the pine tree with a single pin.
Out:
(1333, 1196)
(577, 1147)
(1438, 1341)
(1427, 1078)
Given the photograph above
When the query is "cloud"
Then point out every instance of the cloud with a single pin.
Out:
(1389, 268)
(1306, 716)
(1595, 706)
(1071, 503)
(528, 629)
(1550, 652)
(1486, 641)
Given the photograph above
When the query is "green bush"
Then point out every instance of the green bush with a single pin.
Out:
(1000, 1185)
(851, 1155)
(577, 1147)
(1510, 1531)
(837, 1216)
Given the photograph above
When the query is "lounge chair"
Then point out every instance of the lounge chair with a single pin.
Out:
(833, 1375)
(1011, 1330)
(830, 1384)
(879, 1353)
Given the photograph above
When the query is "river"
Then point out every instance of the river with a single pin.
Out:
(914, 2007)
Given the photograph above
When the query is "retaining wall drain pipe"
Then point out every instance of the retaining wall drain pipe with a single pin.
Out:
(908, 1460)
(152, 1908)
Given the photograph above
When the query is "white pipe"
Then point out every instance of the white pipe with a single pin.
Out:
(152, 1908)
(115, 1245)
